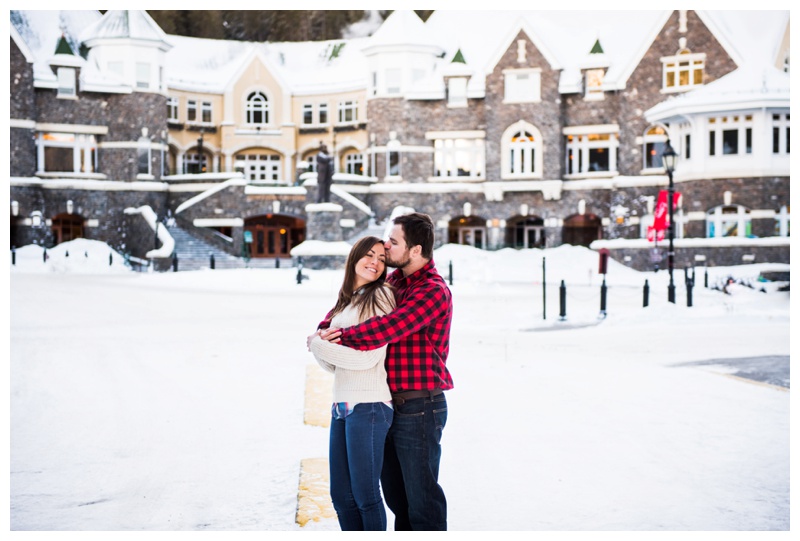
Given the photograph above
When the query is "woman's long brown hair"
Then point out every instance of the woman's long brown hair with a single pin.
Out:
(371, 298)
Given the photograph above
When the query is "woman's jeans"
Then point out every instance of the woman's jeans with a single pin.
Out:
(356, 460)
(410, 475)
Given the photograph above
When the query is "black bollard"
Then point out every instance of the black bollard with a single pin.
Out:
(300, 274)
(66, 254)
(706, 279)
(450, 275)
(603, 297)
(544, 288)
(174, 262)
(44, 256)
(685, 275)
(277, 263)
(646, 300)
(689, 286)
(562, 294)
(211, 261)
(13, 256)
(110, 259)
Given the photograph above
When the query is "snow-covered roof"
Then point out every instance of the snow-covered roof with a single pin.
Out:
(124, 23)
(753, 85)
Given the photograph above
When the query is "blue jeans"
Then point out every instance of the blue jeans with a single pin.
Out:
(356, 459)
(410, 474)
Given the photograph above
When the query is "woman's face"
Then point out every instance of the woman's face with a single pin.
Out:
(371, 266)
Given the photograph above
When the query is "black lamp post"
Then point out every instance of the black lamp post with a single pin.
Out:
(668, 158)
(200, 153)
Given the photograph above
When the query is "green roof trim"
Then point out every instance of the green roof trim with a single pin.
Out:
(458, 58)
(597, 49)
(63, 46)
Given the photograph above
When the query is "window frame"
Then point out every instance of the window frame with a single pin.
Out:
(67, 83)
(257, 102)
(510, 164)
(143, 69)
(719, 128)
(345, 107)
(515, 93)
(782, 125)
(671, 65)
(173, 109)
(450, 149)
(583, 140)
(83, 148)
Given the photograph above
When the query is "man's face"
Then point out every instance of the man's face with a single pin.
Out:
(397, 252)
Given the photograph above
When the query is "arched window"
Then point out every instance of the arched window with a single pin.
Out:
(654, 139)
(521, 151)
(257, 108)
(728, 221)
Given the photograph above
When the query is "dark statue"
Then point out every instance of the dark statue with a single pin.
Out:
(324, 175)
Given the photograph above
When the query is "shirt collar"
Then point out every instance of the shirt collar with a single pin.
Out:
(401, 278)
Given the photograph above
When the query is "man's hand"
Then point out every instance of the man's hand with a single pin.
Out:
(331, 335)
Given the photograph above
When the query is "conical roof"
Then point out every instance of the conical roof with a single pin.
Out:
(125, 23)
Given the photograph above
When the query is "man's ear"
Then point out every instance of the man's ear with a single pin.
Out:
(416, 251)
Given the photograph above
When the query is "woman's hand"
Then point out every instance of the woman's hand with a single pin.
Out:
(310, 338)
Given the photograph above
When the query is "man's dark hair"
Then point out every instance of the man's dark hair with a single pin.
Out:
(418, 230)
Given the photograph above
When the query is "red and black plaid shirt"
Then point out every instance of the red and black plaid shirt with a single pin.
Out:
(417, 331)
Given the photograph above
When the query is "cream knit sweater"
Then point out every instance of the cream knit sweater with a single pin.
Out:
(359, 376)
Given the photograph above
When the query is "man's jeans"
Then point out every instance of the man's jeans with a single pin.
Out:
(410, 475)
(356, 459)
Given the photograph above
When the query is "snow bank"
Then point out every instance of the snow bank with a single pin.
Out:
(80, 256)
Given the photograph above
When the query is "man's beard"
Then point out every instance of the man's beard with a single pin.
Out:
(399, 264)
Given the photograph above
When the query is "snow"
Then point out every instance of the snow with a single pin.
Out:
(174, 401)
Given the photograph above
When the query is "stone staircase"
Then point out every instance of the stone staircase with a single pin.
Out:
(195, 254)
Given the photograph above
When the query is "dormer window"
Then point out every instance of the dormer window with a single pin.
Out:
(683, 71)
(594, 84)
(66, 83)
(457, 92)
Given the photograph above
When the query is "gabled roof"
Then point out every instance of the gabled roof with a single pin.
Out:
(403, 27)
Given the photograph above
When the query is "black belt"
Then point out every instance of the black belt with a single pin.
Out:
(403, 396)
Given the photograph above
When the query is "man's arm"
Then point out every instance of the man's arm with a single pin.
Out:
(423, 305)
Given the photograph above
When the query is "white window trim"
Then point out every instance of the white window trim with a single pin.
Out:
(267, 109)
(460, 99)
(316, 110)
(344, 106)
(531, 71)
(714, 216)
(741, 125)
(781, 123)
(656, 138)
(173, 104)
(594, 93)
(69, 90)
(694, 60)
(83, 160)
(476, 153)
(583, 147)
(505, 151)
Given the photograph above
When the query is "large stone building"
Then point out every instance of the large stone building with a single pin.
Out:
(511, 129)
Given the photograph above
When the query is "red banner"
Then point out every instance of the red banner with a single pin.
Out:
(655, 232)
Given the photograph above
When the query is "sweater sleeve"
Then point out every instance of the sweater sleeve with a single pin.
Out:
(335, 355)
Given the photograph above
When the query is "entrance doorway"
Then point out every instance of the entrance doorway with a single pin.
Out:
(274, 235)
(469, 230)
(582, 230)
(525, 232)
(67, 227)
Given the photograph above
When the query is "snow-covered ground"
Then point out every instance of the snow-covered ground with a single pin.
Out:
(174, 401)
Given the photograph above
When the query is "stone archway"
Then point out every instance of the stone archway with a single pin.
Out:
(273, 235)
(66, 227)
(525, 232)
(469, 230)
(582, 229)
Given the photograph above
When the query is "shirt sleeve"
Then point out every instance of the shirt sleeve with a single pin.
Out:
(423, 305)
(343, 357)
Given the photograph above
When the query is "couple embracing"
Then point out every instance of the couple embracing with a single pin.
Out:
(386, 341)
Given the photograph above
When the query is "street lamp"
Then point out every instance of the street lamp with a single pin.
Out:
(668, 158)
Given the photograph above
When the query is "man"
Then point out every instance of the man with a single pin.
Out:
(418, 334)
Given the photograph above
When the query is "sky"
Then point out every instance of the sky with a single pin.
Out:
(176, 401)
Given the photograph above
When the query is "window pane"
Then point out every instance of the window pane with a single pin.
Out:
(748, 140)
(712, 143)
(776, 140)
(59, 159)
(308, 115)
(598, 159)
(730, 141)
(698, 77)
(323, 113)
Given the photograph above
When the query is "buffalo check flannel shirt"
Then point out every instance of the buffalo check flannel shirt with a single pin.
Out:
(417, 331)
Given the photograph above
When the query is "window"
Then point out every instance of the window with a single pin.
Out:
(393, 80)
(348, 111)
(591, 151)
(66, 152)
(654, 141)
(354, 164)
(195, 163)
(728, 221)
(259, 167)
(458, 157)
(374, 83)
(191, 110)
(780, 134)
(393, 163)
(66, 83)
(142, 75)
(308, 114)
(593, 89)
(257, 109)
(521, 151)
(687, 146)
(729, 135)
(144, 155)
(782, 222)
(683, 71)
(522, 85)
(172, 109)
(205, 110)
(457, 92)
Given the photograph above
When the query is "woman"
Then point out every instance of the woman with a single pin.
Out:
(362, 404)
